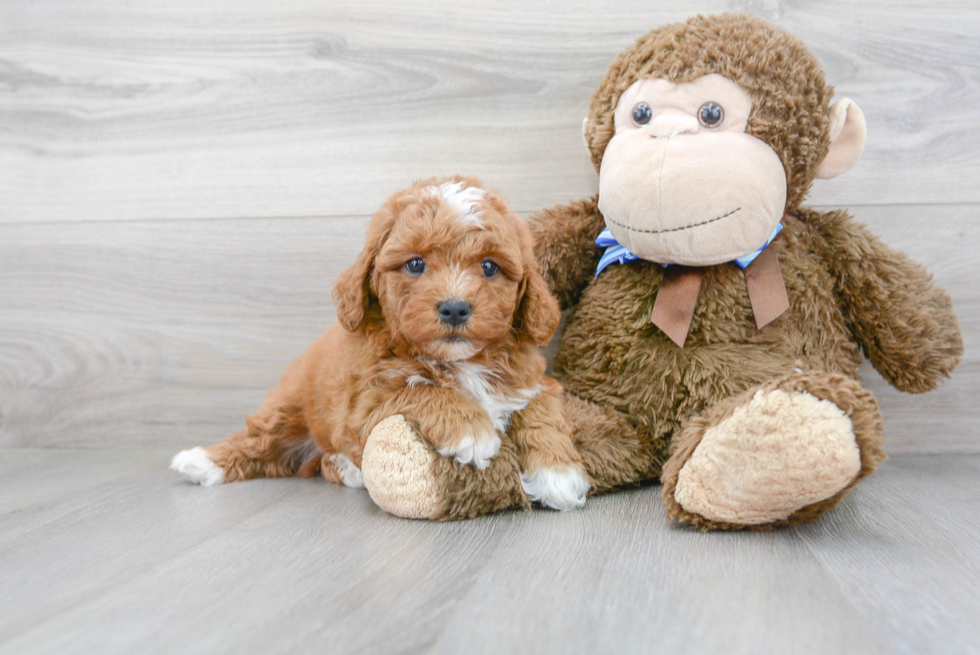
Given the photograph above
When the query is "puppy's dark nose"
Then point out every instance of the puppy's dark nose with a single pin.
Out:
(454, 312)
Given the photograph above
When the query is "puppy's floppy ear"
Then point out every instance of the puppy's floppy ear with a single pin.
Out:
(538, 313)
(352, 293)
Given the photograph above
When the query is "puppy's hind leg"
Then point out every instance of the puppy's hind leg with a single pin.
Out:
(275, 444)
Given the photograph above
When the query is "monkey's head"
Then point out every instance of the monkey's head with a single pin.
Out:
(706, 132)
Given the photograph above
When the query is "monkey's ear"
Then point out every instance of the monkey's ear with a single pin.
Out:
(848, 133)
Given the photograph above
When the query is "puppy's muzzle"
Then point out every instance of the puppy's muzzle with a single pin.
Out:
(454, 312)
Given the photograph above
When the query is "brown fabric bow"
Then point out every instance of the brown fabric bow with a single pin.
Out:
(673, 309)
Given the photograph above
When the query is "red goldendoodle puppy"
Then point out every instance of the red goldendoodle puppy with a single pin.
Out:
(441, 316)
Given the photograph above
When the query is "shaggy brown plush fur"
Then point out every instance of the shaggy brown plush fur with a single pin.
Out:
(638, 403)
(847, 290)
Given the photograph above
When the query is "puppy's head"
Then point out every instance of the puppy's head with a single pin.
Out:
(449, 269)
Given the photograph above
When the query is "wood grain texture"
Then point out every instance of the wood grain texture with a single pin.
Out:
(155, 332)
(156, 565)
(884, 553)
(236, 108)
(180, 183)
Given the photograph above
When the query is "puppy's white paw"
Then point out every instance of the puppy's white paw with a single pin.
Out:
(349, 473)
(475, 449)
(560, 489)
(196, 466)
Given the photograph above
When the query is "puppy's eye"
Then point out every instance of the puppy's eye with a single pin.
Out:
(415, 266)
(489, 268)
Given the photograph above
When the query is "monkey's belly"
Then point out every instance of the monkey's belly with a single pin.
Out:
(612, 355)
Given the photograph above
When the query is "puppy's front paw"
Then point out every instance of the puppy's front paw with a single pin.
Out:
(196, 466)
(560, 488)
(477, 449)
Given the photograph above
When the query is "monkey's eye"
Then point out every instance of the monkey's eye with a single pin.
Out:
(642, 113)
(489, 268)
(415, 266)
(710, 114)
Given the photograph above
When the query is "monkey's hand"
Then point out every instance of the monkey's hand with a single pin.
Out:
(904, 323)
(565, 246)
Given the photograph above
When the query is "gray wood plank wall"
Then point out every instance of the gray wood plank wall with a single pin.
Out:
(181, 182)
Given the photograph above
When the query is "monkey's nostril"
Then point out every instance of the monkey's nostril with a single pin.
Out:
(454, 312)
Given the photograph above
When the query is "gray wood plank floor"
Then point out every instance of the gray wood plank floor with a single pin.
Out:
(105, 551)
(249, 108)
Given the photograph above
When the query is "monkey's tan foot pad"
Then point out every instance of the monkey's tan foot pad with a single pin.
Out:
(405, 476)
(779, 455)
(397, 468)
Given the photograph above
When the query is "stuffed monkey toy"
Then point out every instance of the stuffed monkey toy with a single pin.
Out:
(715, 324)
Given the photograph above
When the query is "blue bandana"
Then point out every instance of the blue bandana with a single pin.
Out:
(617, 254)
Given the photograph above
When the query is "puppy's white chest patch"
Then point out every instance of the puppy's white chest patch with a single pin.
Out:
(476, 381)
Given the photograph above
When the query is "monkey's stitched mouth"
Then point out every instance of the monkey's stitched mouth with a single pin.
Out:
(674, 229)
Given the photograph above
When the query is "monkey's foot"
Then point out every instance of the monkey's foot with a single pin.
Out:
(405, 476)
(781, 453)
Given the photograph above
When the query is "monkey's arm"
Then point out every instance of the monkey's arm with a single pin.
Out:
(904, 323)
(565, 246)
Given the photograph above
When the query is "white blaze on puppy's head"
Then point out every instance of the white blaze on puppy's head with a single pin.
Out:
(465, 199)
